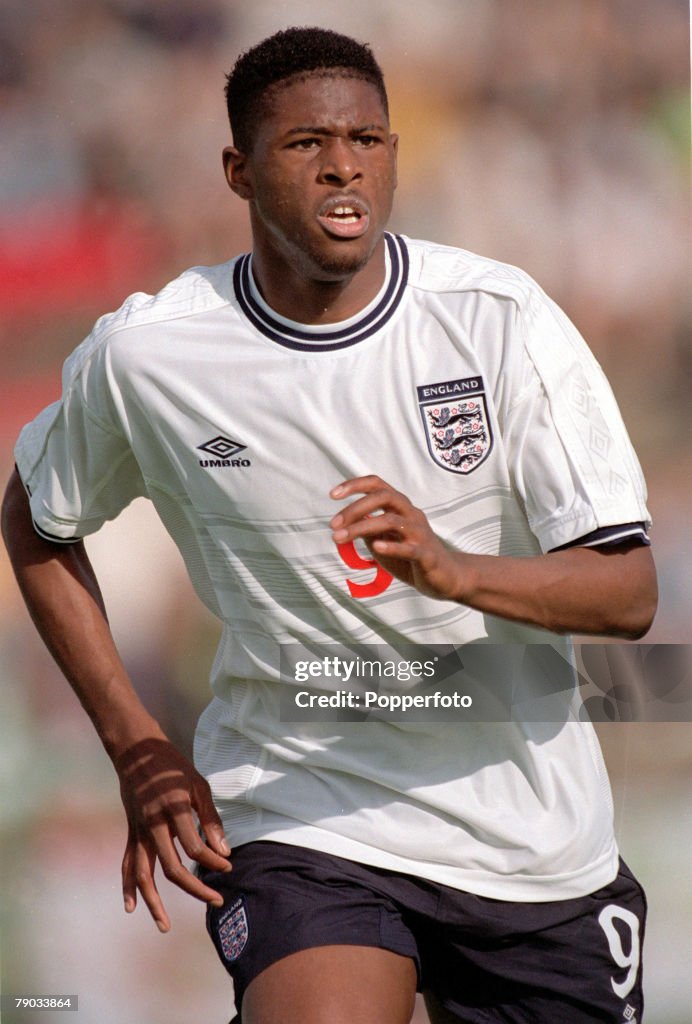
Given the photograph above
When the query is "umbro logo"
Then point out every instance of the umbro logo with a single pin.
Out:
(223, 449)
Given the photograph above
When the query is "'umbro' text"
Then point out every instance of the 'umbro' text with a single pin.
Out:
(216, 463)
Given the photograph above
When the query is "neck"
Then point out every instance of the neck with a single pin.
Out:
(309, 300)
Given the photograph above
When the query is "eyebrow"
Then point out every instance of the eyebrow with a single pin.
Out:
(320, 130)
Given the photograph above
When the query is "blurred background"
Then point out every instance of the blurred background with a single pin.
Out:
(551, 135)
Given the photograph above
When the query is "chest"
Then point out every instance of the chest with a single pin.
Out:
(270, 432)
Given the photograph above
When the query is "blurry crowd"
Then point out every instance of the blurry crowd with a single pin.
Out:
(553, 135)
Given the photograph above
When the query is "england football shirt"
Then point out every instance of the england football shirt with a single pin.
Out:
(463, 386)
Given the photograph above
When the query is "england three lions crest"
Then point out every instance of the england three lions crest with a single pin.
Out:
(457, 426)
(233, 930)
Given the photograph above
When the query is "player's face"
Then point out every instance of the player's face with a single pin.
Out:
(320, 178)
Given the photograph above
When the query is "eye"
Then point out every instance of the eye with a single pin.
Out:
(304, 145)
(367, 140)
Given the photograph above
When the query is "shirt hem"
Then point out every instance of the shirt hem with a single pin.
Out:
(511, 888)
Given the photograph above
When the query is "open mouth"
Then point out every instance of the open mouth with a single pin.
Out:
(344, 219)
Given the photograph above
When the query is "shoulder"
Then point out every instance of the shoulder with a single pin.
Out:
(501, 294)
(143, 317)
(197, 290)
(444, 268)
(532, 341)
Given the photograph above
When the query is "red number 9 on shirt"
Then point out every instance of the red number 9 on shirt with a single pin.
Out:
(353, 560)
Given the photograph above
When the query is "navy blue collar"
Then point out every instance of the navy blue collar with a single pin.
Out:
(331, 336)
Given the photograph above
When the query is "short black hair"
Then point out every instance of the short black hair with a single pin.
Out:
(293, 53)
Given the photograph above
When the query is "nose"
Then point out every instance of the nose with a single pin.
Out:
(339, 164)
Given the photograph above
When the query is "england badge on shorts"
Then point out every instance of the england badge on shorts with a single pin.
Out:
(233, 930)
(456, 422)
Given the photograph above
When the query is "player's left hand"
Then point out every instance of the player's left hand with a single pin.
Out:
(399, 536)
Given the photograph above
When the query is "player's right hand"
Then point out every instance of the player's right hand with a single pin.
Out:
(164, 798)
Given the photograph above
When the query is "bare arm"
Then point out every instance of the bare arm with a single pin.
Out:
(598, 591)
(160, 789)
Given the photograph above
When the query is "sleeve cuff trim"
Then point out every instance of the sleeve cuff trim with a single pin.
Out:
(609, 535)
(53, 538)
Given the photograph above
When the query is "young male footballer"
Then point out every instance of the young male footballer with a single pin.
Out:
(342, 384)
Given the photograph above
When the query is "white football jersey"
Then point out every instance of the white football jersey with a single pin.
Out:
(463, 386)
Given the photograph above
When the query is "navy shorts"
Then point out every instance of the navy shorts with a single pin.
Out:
(575, 961)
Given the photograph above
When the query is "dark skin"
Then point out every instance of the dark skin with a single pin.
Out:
(319, 180)
(609, 591)
(164, 796)
(326, 141)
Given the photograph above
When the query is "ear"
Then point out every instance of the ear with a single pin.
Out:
(394, 138)
(235, 165)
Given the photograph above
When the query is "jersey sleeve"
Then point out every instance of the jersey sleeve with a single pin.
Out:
(75, 459)
(569, 454)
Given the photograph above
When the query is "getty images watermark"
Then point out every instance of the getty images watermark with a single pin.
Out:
(487, 682)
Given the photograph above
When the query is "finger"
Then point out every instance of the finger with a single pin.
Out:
(194, 845)
(406, 550)
(210, 822)
(128, 876)
(381, 500)
(357, 485)
(389, 522)
(176, 872)
(216, 838)
(144, 860)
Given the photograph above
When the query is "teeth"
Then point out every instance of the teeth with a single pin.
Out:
(345, 211)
